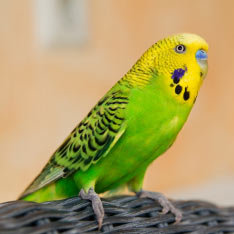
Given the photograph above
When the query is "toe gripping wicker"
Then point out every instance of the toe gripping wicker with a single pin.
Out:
(127, 214)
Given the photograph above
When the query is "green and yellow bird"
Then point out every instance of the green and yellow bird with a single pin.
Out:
(133, 124)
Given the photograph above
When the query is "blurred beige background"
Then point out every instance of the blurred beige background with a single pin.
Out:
(46, 91)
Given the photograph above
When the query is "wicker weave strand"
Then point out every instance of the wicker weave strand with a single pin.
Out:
(126, 214)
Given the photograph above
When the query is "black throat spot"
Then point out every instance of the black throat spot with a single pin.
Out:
(186, 95)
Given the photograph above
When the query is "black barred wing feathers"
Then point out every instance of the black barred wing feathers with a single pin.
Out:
(90, 141)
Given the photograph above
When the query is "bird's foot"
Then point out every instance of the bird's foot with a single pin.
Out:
(96, 204)
(163, 201)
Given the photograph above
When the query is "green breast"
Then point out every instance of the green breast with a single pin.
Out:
(154, 121)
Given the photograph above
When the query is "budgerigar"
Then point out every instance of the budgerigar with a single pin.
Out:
(133, 124)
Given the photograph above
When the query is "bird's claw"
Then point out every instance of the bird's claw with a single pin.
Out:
(96, 204)
(164, 202)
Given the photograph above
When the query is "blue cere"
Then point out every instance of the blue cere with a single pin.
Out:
(201, 55)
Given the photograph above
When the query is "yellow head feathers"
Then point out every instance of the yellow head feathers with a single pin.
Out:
(168, 56)
(179, 62)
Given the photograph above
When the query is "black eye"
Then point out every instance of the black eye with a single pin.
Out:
(180, 49)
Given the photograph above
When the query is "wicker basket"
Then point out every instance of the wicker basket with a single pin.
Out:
(125, 214)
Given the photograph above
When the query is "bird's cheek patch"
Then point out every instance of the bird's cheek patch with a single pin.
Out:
(178, 74)
(176, 77)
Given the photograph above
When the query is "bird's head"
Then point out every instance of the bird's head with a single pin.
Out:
(178, 62)
(182, 62)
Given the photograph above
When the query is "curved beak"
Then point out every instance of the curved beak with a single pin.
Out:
(201, 57)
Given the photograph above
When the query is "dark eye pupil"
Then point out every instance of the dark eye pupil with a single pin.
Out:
(180, 48)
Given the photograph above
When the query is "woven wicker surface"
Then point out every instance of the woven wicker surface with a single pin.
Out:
(126, 214)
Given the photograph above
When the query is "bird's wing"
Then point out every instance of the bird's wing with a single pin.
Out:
(90, 141)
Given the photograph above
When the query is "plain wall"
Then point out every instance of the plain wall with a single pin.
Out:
(44, 93)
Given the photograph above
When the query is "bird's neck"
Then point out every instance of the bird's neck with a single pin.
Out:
(141, 73)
